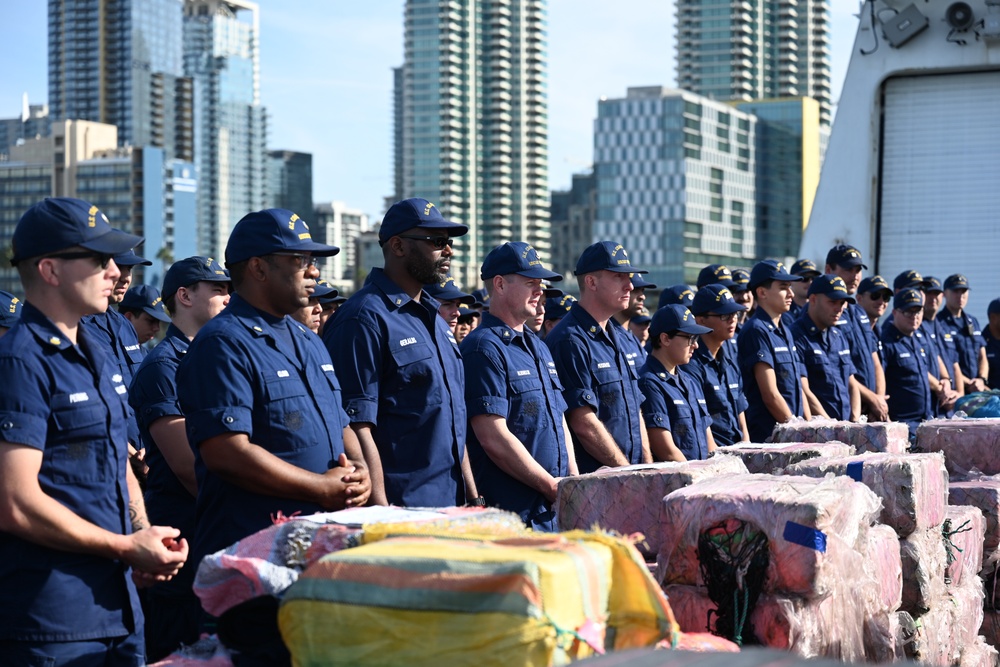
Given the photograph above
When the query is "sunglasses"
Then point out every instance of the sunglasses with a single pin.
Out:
(301, 261)
(439, 242)
(691, 340)
(99, 257)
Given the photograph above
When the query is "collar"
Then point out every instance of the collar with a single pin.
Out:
(393, 294)
(894, 333)
(761, 314)
(589, 324)
(253, 321)
(656, 367)
(505, 333)
(47, 333)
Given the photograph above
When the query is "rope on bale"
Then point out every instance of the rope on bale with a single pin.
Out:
(949, 546)
(733, 556)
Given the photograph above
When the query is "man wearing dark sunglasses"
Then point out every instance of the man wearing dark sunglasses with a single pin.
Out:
(261, 402)
(74, 531)
(399, 365)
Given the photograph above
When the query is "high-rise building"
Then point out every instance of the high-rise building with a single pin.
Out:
(754, 49)
(290, 182)
(33, 122)
(222, 57)
(572, 213)
(676, 181)
(472, 121)
(138, 188)
(119, 62)
(334, 223)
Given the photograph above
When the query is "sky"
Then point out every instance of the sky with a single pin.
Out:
(326, 78)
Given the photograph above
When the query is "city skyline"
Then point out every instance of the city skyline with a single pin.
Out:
(313, 59)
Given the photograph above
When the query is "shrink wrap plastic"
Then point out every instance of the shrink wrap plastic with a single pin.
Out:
(913, 487)
(932, 644)
(882, 560)
(979, 654)
(812, 527)
(206, 652)
(964, 530)
(991, 627)
(924, 561)
(891, 437)
(966, 615)
(627, 500)
(825, 627)
(983, 494)
(969, 445)
(883, 638)
(772, 458)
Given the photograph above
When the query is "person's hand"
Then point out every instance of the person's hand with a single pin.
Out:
(879, 410)
(345, 485)
(359, 483)
(977, 384)
(156, 552)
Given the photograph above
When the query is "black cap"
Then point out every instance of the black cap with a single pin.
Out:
(908, 298)
(831, 286)
(716, 274)
(58, 223)
(844, 255)
(675, 317)
(770, 269)
(681, 294)
(271, 231)
(605, 256)
(805, 268)
(447, 290)
(715, 299)
(147, 299)
(956, 281)
(909, 278)
(191, 270)
(415, 212)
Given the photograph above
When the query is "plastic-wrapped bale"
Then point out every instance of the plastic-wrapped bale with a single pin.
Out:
(991, 627)
(627, 499)
(891, 437)
(812, 527)
(883, 594)
(964, 531)
(913, 487)
(270, 560)
(772, 458)
(979, 654)
(206, 652)
(983, 494)
(932, 644)
(966, 615)
(969, 445)
(824, 627)
(924, 562)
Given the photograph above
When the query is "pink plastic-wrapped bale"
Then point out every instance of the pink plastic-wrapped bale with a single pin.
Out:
(990, 629)
(983, 494)
(891, 437)
(979, 654)
(882, 561)
(627, 500)
(882, 638)
(913, 487)
(772, 458)
(812, 526)
(966, 614)
(933, 642)
(969, 445)
(826, 627)
(964, 531)
(924, 561)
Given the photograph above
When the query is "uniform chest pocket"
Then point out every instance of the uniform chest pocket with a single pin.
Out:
(681, 420)
(412, 364)
(608, 383)
(527, 402)
(133, 353)
(288, 412)
(77, 452)
(785, 365)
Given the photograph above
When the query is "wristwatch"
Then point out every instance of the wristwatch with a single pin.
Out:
(477, 502)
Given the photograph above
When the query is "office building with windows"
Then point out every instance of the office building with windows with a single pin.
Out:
(290, 182)
(471, 121)
(334, 223)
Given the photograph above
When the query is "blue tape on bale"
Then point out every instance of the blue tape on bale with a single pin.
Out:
(805, 536)
(855, 470)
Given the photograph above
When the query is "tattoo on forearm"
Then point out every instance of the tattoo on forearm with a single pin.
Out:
(137, 517)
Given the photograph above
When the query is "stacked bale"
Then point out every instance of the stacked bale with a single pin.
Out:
(773, 458)
(799, 546)
(970, 446)
(891, 437)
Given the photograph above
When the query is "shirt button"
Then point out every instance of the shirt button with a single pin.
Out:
(228, 420)
(352, 411)
(587, 396)
(7, 425)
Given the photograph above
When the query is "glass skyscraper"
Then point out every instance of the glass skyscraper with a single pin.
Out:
(222, 57)
(119, 62)
(754, 49)
(471, 121)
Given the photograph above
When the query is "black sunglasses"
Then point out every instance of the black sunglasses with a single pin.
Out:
(439, 242)
(100, 257)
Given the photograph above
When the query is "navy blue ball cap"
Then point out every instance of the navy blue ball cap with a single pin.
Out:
(716, 274)
(770, 269)
(147, 299)
(908, 298)
(415, 212)
(129, 258)
(742, 279)
(831, 286)
(956, 281)
(675, 317)
(58, 223)
(638, 282)
(805, 268)
(191, 270)
(844, 255)
(909, 279)
(548, 291)
(482, 298)
(680, 294)
(994, 307)
(932, 284)
(516, 257)
(874, 284)
(468, 314)
(10, 309)
(556, 307)
(716, 299)
(644, 318)
(447, 290)
(271, 231)
(605, 256)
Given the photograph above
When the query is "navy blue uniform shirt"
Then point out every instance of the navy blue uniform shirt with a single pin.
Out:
(993, 358)
(857, 329)
(761, 342)
(968, 340)
(68, 401)
(593, 367)
(674, 401)
(906, 382)
(634, 351)
(401, 371)
(511, 374)
(117, 335)
(827, 360)
(239, 376)
(722, 386)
